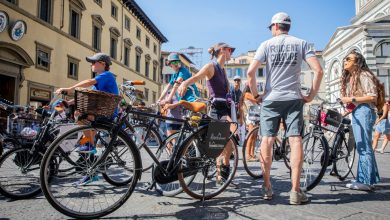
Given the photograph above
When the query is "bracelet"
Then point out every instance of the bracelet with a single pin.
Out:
(177, 82)
(257, 96)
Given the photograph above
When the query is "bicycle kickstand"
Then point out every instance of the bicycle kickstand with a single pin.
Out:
(204, 185)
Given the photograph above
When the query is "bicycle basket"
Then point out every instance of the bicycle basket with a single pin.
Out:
(254, 113)
(329, 119)
(218, 134)
(96, 103)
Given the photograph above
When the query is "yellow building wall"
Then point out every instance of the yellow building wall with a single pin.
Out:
(62, 44)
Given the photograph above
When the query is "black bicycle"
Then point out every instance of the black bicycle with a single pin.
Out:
(317, 153)
(195, 161)
(19, 166)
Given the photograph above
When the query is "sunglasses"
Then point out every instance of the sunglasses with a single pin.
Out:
(176, 62)
(237, 80)
(270, 27)
(348, 59)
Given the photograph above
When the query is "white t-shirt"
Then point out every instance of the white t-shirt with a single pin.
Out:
(283, 56)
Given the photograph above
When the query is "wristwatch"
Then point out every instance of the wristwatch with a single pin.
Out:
(353, 99)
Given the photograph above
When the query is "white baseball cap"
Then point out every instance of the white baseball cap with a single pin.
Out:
(280, 18)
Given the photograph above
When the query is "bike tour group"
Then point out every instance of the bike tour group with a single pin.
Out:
(91, 150)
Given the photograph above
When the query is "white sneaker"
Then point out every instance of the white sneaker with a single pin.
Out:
(359, 186)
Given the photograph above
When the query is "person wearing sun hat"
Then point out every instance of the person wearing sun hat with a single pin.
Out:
(283, 55)
(221, 108)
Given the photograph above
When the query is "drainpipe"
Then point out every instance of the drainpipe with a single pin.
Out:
(62, 14)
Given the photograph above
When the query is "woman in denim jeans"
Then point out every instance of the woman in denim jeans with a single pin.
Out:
(358, 91)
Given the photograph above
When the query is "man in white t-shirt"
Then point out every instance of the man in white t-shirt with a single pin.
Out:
(283, 55)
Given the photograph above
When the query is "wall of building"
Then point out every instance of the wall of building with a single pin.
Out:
(55, 36)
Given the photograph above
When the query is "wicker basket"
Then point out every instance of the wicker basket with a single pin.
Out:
(96, 103)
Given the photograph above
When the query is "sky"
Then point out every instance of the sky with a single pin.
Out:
(243, 23)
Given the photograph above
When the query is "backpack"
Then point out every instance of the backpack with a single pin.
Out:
(380, 102)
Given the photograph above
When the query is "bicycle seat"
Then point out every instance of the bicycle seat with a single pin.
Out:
(193, 106)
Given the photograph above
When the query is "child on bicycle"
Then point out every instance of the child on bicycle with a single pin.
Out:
(105, 82)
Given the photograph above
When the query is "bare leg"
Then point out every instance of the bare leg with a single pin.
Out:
(266, 159)
(377, 135)
(296, 161)
(251, 148)
(385, 142)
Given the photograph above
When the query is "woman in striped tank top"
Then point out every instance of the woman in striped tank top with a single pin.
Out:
(218, 86)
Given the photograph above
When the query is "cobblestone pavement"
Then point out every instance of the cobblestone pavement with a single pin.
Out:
(329, 200)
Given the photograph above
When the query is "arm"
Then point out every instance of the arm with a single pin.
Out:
(164, 93)
(206, 72)
(84, 84)
(318, 73)
(255, 64)
(174, 89)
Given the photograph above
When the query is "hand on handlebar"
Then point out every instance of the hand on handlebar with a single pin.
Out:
(63, 91)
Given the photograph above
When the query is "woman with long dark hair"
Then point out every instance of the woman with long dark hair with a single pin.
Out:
(359, 92)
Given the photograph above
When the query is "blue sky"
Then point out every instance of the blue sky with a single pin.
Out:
(243, 23)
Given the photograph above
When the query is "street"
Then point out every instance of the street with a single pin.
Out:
(241, 200)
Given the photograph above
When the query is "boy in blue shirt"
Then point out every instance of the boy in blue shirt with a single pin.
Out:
(181, 74)
(105, 82)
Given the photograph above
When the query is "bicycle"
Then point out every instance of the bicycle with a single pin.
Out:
(280, 151)
(121, 167)
(316, 147)
(19, 166)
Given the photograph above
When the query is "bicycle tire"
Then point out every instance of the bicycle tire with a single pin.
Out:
(163, 153)
(49, 190)
(344, 154)
(144, 155)
(320, 158)
(250, 167)
(25, 187)
(193, 189)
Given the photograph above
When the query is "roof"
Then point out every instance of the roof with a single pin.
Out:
(141, 15)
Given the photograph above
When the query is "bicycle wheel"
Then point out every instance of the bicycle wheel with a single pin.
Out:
(19, 173)
(252, 165)
(163, 154)
(153, 142)
(75, 189)
(344, 155)
(315, 160)
(286, 155)
(208, 171)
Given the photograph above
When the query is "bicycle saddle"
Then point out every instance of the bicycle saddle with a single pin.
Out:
(193, 106)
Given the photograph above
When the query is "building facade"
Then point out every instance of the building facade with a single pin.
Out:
(44, 44)
(187, 63)
(238, 66)
(369, 34)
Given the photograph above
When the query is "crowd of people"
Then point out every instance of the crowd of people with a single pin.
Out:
(282, 99)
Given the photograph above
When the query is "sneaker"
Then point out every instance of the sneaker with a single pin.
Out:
(86, 148)
(298, 198)
(267, 193)
(359, 186)
(86, 180)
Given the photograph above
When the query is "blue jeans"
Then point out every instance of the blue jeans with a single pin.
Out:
(363, 119)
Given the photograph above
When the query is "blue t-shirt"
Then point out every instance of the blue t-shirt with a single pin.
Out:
(185, 74)
(106, 82)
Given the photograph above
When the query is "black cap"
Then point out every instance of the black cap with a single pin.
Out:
(100, 57)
